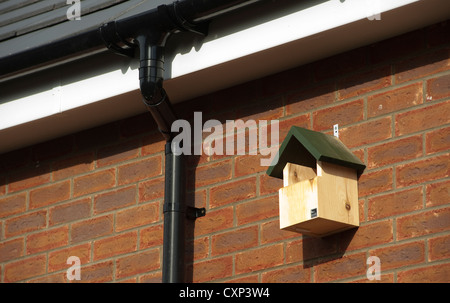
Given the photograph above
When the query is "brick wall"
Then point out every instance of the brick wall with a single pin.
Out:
(98, 194)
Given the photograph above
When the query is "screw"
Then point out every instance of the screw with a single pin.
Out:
(347, 206)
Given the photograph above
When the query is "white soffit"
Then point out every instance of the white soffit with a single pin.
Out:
(105, 88)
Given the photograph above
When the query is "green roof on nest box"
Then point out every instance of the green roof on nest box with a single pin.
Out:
(305, 147)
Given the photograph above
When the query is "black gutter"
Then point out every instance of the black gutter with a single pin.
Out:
(90, 40)
(148, 32)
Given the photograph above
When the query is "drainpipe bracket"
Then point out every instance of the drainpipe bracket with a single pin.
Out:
(194, 212)
(114, 42)
(182, 24)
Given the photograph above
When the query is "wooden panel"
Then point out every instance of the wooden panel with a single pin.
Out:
(338, 193)
(296, 202)
(293, 173)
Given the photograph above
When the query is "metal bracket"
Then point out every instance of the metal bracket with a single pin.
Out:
(194, 212)
(112, 40)
(200, 28)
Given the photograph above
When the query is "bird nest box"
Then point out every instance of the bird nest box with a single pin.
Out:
(320, 183)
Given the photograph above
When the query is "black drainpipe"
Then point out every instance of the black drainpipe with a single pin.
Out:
(149, 34)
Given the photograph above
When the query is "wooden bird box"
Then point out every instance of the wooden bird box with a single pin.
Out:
(320, 191)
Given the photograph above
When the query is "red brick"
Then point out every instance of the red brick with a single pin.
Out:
(137, 216)
(151, 278)
(196, 199)
(259, 258)
(294, 251)
(10, 250)
(151, 190)
(342, 114)
(271, 232)
(364, 82)
(91, 228)
(422, 66)
(29, 178)
(115, 245)
(213, 269)
(375, 182)
(151, 236)
(367, 235)
(73, 166)
(269, 185)
(428, 274)
(344, 267)
(439, 248)
(13, 205)
(212, 173)
(215, 220)
(197, 249)
(422, 118)
(310, 99)
(423, 171)
(50, 194)
(438, 88)
(25, 268)
(396, 151)
(140, 170)
(69, 212)
(396, 203)
(152, 144)
(94, 182)
(257, 210)
(2, 186)
(118, 153)
(293, 274)
(438, 140)
(365, 133)
(57, 260)
(310, 248)
(396, 256)
(97, 273)
(423, 223)
(246, 279)
(115, 199)
(248, 165)
(25, 223)
(395, 100)
(384, 278)
(234, 240)
(438, 193)
(232, 192)
(55, 278)
(285, 125)
(138, 263)
(47, 240)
